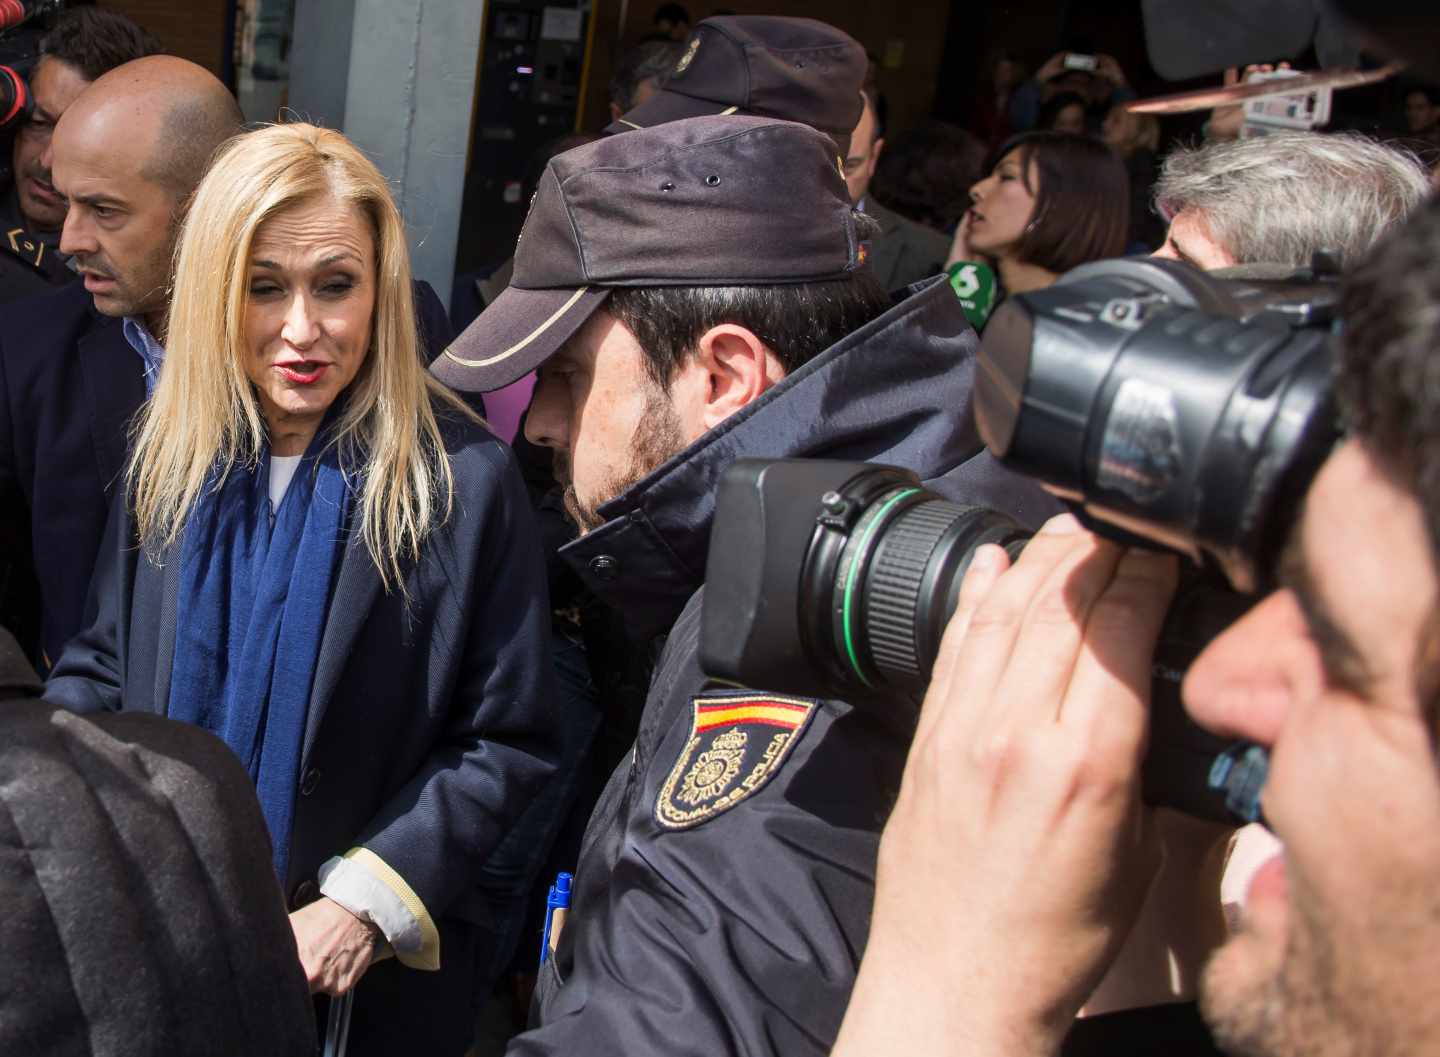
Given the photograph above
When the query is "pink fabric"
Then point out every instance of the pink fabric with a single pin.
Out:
(504, 407)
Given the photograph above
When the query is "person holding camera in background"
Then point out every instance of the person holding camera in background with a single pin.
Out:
(715, 307)
(1036, 720)
(83, 44)
(1097, 79)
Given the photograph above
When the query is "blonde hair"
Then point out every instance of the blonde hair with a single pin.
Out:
(205, 417)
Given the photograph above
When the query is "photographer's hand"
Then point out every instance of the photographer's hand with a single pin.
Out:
(1018, 853)
(1053, 68)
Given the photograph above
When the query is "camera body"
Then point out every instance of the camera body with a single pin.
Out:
(1163, 405)
(22, 25)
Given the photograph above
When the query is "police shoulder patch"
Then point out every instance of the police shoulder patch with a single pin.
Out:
(737, 743)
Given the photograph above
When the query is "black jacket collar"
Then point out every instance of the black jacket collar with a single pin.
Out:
(896, 391)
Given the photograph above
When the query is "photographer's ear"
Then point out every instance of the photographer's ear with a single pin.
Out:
(729, 368)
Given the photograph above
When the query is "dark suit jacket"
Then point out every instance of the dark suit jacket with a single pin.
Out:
(431, 721)
(904, 252)
(69, 385)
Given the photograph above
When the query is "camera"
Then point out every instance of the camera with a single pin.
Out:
(19, 50)
(1164, 406)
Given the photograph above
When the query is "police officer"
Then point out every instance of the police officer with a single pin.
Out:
(692, 294)
(84, 43)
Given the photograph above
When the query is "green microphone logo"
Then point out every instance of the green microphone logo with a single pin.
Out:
(974, 284)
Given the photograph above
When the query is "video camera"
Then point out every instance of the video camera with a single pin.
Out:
(20, 31)
(1164, 406)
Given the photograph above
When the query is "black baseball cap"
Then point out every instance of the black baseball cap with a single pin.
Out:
(711, 201)
(796, 69)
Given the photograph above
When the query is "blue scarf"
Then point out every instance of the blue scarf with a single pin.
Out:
(252, 605)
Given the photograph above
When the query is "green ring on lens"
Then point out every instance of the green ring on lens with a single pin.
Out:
(850, 578)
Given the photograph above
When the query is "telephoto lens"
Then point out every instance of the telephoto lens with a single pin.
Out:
(858, 571)
(837, 579)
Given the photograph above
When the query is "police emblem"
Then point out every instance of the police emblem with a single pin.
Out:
(737, 743)
(688, 57)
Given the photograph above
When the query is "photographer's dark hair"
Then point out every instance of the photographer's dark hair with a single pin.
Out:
(95, 40)
(796, 321)
(1082, 199)
(1389, 382)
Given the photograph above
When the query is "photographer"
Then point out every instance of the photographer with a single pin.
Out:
(1097, 79)
(84, 44)
(1036, 717)
(692, 294)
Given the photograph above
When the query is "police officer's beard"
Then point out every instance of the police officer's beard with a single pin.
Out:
(658, 437)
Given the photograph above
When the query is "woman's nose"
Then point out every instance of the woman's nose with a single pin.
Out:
(301, 328)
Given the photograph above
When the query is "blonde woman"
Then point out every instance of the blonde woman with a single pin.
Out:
(325, 560)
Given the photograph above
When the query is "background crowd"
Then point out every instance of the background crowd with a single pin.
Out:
(431, 581)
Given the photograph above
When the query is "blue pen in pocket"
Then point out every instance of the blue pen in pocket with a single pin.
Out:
(557, 902)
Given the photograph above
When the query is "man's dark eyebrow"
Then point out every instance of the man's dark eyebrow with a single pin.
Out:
(1345, 665)
(42, 114)
(98, 200)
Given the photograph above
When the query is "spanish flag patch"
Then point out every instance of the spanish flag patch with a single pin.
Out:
(737, 742)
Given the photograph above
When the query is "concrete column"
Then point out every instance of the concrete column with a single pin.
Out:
(408, 68)
(320, 60)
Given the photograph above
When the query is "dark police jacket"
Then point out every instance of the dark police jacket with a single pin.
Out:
(431, 721)
(904, 252)
(69, 385)
(724, 886)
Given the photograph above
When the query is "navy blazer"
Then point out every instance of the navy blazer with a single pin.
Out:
(431, 722)
(69, 385)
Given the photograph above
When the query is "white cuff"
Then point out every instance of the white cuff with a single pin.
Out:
(364, 884)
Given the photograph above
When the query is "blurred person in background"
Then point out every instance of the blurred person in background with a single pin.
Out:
(670, 22)
(639, 74)
(85, 43)
(1136, 138)
(1278, 199)
(991, 120)
(323, 558)
(1097, 79)
(1052, 201)
(1422, 123)
(926, 172)
(1063, 112)
(901, 252)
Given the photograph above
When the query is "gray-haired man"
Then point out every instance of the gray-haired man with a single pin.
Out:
(1277, 199)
